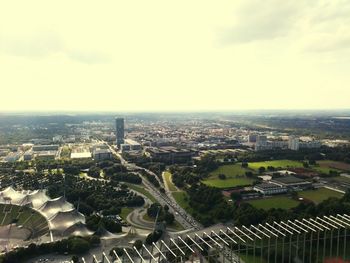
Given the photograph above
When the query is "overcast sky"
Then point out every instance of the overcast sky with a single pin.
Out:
(174, 55)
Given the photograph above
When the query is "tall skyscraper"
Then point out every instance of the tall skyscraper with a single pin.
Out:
(119, 125)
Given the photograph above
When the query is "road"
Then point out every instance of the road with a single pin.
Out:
(185, 219)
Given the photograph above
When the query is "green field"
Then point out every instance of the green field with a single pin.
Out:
(282, 202)
(227, 183)
(169, 182)
(235, 176)
(276, 164)
(140, 189)
(182, 199)
(326, 166)
(125, 212)
(319, 195)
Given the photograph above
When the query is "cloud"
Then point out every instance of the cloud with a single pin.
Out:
(261, 20)
(88, 57)
(46, 43)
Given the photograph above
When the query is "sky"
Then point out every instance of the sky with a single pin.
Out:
(174, 55)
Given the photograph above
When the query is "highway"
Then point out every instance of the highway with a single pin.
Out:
(185, 219)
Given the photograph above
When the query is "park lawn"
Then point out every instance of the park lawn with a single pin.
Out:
(227, 183)
(276, 164)
(125, 212)
(319, 195)
(169, 182)
(182, 199)
(230, 170)
(143, 191)
(235, 176)
(282, 202)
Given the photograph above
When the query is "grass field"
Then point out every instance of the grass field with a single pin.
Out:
(277, 164)
(140, 189)
(227, 183)
(125, 212)
(182, 198)
(325, 166)
(235, 176)
(282, 202)
(169, 182)
(319, 195)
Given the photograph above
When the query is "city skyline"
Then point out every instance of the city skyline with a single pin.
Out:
(174, 57)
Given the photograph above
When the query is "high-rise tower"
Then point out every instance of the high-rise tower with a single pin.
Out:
(119, 125)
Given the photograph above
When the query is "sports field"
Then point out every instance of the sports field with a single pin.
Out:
(276, 164)
(283, 202)
(235, 176)
(319, 195)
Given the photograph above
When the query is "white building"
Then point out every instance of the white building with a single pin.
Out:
(293, 143)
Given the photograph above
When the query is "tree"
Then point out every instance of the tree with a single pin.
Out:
(262, 169)
(249, 174)
(138, 244)
(222, 176)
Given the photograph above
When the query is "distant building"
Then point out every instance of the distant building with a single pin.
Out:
(130, 145)
(310, 144)
(252, 138)
(57, 139)
(293, 143)
(119, 126)
(101, 154)
(270, 189)
(12, 157)
(170, 154)
(50, 154)
(261, 139)
(291, 182)
(51, 147)
(28, 155)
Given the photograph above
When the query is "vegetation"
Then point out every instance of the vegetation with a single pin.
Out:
(143, 191)
(72, 245)
(277, 202)
(168, 181)
(276, 164)
(162, 212)
(320, 195)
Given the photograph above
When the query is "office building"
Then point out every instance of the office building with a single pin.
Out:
(119, 126)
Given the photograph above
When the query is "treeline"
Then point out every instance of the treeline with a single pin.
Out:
(336, 154)
(208, 205)
(126, 177)
(72, 245)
